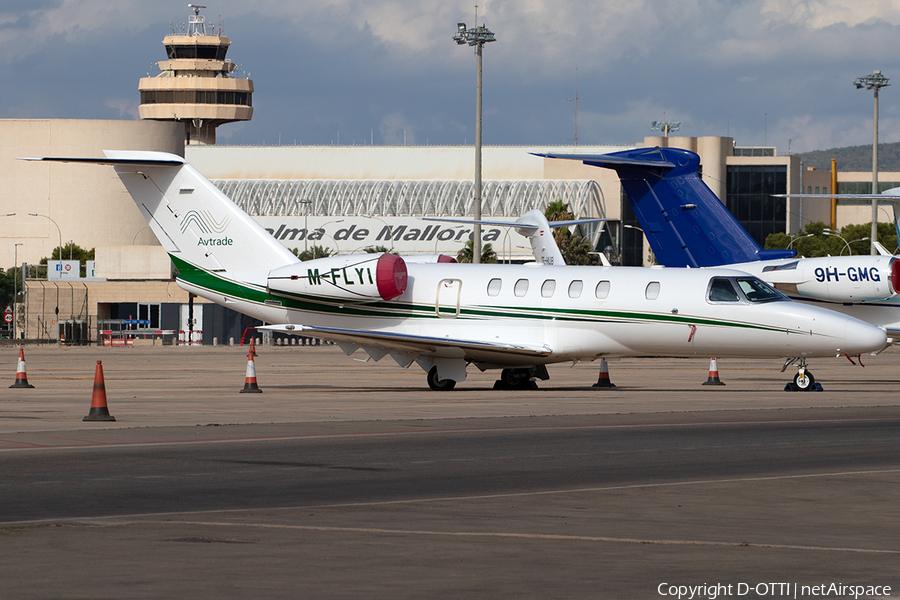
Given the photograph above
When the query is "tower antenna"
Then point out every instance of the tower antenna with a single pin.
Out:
(575, 139)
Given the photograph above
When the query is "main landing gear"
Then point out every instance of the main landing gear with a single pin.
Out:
(510, 379)
(803, 380)
(439, 385)
(521, 379)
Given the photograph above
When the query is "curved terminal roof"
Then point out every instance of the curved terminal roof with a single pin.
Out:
(392, 197)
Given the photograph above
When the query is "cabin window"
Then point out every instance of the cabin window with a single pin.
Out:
(602, 290)
(652, 291)
(548, 288)
(721, 290)
(521, 288)
(575, 288)
(494, 286)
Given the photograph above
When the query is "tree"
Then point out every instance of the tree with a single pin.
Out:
(7, 286)
(312, 253)
(558, 211)
(487, 253)
(378, 250)
(575, 249)
(70, 251)
(819, 244)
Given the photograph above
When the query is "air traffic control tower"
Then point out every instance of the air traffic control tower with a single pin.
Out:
(197, 84)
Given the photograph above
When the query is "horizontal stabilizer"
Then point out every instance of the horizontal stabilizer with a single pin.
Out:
(151, 160)
(650, 158)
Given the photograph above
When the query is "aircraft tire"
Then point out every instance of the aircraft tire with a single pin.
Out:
(515, 378)
(804, 383)
(439, 385)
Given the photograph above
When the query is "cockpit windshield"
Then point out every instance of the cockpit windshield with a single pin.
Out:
(737, 289)
(757, 290)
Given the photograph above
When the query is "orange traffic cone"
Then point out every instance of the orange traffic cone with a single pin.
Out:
(21, 376)
(713, 378)
(250, 386)
(253, 346)
(603, 380)
(99, 410)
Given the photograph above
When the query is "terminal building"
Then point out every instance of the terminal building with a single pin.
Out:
(345, 198)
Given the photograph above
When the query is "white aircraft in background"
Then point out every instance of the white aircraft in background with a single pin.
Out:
(687, 226)
(518, 318)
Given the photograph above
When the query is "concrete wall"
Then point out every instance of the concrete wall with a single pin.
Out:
(132, 262)
(88, 203)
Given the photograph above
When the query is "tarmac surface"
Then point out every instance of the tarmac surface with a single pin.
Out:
(346, 479)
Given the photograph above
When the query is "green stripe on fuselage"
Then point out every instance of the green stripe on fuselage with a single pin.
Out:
(396, 310)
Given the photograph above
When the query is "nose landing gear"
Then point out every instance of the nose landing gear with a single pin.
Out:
(803, 380)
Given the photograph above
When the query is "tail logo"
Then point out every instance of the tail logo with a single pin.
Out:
(204, 221)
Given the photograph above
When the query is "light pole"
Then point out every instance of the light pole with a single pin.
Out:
(875, 82)
(635, 227)
(383, 222)
(305, 223)
(16, 259)
(478, 37)
(865, 239)
(799, 237)
(322, 227)
(138, 233)
(833, 233)
(16, 288)
(34, 214)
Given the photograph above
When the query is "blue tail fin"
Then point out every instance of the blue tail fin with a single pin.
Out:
(684, 221)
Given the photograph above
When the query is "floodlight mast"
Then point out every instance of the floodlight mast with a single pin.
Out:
(875, 82)
(665, 126)
(478, 37)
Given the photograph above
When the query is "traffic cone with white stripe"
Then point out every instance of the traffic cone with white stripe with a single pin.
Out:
(603, 380)
(21, 376)
(250, 386)
(99, 411)
(713, 378)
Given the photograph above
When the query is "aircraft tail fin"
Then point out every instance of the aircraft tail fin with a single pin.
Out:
(194, 221)
(683, 220)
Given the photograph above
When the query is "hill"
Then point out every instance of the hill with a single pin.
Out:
(855, 158)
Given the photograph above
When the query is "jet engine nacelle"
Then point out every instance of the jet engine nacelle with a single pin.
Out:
(839, 279)
(361, 277)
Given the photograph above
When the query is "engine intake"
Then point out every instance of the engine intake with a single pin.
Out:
(361, 277)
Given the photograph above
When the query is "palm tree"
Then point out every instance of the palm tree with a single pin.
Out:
(312, 253)
(487, 253)
(558, 211)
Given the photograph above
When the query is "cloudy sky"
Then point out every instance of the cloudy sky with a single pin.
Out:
(776, 72)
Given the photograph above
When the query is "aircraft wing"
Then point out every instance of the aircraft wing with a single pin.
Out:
(351, 339)
(893, 198)
(515, 224)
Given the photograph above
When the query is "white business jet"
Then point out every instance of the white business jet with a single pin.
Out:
(687, 226)
(444, 317)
